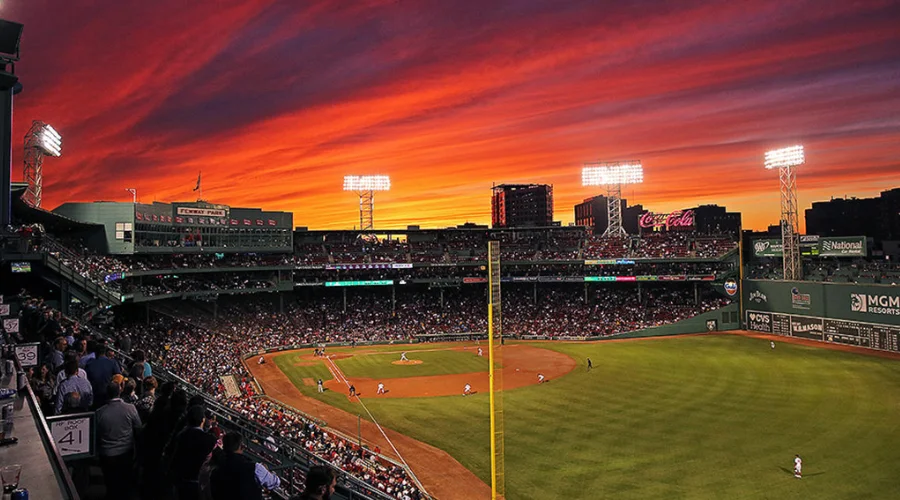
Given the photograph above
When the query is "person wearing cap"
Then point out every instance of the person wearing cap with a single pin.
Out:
(100, 372)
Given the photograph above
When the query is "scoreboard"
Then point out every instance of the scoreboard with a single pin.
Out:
(837, 331)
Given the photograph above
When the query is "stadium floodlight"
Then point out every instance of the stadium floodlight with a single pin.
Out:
(367, 183)
(785, 159)
(365, 186)
(40, 141)
(613, 175)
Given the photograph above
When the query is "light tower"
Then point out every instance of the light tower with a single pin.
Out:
(41, 140)
(785, 160)
(613, 175)
(365, 186)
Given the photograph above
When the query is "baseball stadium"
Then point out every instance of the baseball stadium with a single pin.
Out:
(675, 361)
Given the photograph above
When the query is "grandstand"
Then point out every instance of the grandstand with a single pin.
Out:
(194, 311)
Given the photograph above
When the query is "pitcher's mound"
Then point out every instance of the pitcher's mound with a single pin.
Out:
(410, 362)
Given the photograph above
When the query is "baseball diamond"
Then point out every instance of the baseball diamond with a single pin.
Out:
(672, 408)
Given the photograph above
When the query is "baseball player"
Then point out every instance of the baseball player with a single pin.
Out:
(352, 390)
(467, 390)
(261, 360)
(321, 386)
(590, 365)
(772, 343)
(403, 356)
(798, 467)
(480, 352)
(380, 388)
(540, 378)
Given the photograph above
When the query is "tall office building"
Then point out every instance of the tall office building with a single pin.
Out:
(522, 205)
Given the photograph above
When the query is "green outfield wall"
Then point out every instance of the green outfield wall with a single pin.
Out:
(867, 303)
(843, 313)
(726, 318)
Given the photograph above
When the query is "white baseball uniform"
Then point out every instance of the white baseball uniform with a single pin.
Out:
(467, 389)
(540, 378)
(798, 467)
(403, 357)
(773, 344)
(380, 389)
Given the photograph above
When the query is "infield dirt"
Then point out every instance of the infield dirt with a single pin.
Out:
(443, 476)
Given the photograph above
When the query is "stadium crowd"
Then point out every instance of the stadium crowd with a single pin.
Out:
(143, 425)
(830, 270)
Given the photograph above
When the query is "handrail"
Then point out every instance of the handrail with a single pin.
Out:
(60, 470)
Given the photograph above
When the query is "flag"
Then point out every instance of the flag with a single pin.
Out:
(198, 183)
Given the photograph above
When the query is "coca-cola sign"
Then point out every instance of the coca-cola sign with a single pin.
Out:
(678, 219)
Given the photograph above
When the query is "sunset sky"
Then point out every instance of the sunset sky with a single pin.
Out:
(275, 101)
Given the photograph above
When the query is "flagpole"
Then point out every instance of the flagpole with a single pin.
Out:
(200, 183)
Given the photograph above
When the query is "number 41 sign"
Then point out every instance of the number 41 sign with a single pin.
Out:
(73, 435)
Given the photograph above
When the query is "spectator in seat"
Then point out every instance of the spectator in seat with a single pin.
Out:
(320, 483)
(100, 372)
(192, 447)
(117, 425)
(236, 477)
(73, 384)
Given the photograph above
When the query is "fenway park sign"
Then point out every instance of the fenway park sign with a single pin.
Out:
(682, 219)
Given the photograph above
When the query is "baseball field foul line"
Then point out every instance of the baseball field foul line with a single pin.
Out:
(339, 375)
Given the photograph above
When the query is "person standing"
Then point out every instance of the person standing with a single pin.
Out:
(73, 384)
(772, 343)
(117, 424)
(467, 390)
(100, 372)
(798, 467)
(590, 365)
(192, 446)
(321, 385)
(352, 390)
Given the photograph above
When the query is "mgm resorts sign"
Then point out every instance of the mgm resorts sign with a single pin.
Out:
(875, 304)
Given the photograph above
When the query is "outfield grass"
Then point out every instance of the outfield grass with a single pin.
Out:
(716, 417)
(379, 366)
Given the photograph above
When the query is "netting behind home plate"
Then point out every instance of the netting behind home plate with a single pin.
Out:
(495, 341)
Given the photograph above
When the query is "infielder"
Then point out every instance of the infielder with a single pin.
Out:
(403, 356)
(480, 352)
(540, 378)
(261, 360)
(380, 388)
(467, 390)
(798, 467)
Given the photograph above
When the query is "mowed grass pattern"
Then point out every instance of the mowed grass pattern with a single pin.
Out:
(444, 362)
(696, 417)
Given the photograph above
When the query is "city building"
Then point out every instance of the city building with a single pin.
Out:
(713, 219)
(522, 205)
(878, 218)
(592, 213)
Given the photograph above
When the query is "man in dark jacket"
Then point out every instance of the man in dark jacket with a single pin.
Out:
(237, 477)
(100, 372)
(192, 446)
